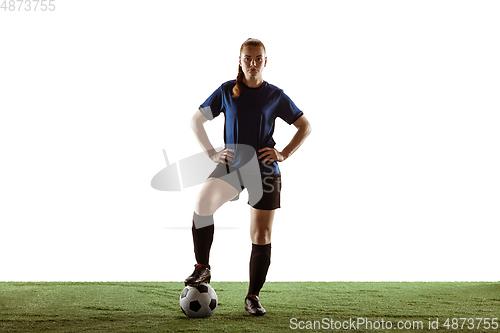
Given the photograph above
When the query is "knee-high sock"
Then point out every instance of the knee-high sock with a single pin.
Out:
(203, 236)
(259, 264)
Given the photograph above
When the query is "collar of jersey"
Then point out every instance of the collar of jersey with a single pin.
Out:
(262, 85)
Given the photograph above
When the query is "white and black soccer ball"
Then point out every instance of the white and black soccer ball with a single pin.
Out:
(198, 302)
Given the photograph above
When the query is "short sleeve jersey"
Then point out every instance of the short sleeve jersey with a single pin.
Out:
(249, 119)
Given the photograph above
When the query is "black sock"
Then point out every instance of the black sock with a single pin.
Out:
(203, 236)
(259, 264)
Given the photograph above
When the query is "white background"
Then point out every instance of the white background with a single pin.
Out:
(398, 181)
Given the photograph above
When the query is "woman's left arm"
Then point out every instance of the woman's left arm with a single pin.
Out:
(303, 130)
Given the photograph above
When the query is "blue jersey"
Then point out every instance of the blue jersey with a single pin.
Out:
(249, 119)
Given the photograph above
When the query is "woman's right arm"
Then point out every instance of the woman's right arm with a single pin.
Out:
(197, 123)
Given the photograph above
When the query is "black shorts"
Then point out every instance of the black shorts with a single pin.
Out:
(266, 196)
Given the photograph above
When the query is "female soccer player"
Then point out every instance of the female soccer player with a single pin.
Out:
(250, 106)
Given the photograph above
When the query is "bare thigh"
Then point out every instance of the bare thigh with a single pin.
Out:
(214, 193)
(261, 225)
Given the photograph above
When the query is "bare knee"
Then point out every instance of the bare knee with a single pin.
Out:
(261, 236)
(205, 205)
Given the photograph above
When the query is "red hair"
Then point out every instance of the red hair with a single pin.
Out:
(241, 75)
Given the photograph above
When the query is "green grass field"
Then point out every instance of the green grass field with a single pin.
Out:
(154, 306)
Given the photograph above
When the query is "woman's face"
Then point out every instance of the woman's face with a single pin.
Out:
(252, 61)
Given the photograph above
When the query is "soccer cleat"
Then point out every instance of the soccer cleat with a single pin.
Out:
(201, 274)
(252, 305)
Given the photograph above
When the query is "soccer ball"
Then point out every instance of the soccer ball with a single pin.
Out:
(198, 302)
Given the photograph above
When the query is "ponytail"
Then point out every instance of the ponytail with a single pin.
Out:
(239, 79)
